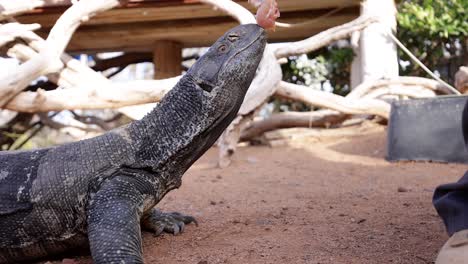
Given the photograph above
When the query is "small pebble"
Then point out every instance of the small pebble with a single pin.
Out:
(402, 189)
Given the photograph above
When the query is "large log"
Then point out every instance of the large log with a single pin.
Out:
(321, 118)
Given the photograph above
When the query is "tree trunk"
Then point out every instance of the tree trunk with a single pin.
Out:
(377, 52)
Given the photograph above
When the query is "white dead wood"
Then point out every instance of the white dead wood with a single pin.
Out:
(404, 91)
(72, 74)
(48, 59)
(228, 141)
(14, 7)
(406, 87)
(320, 118)
(233, 9)
(11, 31)
(429, 84)
(323, 38)
(112, 95)
(332, 101)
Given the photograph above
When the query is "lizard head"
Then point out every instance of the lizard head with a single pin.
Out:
(226, 70)
(192, 116)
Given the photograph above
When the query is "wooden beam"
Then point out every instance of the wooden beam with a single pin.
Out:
(167, 59)
(191, 33)
(146, 11)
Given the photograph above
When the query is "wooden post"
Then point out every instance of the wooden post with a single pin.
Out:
(377, 56)
(167, 59)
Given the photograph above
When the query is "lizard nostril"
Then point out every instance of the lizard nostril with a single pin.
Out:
(205, 86)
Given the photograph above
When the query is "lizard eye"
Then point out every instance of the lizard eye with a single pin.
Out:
(222, 48)
(233, 37)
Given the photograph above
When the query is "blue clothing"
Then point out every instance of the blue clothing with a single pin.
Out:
(451, 200)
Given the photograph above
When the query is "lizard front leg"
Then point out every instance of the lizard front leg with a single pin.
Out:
(159, 222)
(114, 221)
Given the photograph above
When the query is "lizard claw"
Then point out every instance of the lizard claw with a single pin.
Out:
(173, 223)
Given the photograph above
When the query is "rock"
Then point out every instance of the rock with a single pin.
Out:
(68, 261)
(461, 79)
(402, 189)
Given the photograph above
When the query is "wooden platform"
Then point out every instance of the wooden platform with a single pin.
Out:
(140, 24)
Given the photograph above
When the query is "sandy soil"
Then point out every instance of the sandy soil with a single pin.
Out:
(320, 199)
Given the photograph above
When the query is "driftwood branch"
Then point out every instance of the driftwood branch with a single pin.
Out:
(429, 84)
(322, 39)
(105, 96)
(233, 9)
(320, 118)
(400, 91)
(14, 7)
(11, 31)
(333, 101)
(48, 59)
(72, 74)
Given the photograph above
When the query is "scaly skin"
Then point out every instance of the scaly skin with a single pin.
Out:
(96, 192)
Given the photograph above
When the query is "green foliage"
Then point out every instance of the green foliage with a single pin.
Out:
(434, 18)
(435, 31)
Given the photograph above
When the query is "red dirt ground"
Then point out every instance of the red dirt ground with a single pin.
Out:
(321, 199)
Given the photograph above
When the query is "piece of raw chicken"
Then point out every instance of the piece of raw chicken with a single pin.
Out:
(267, 13)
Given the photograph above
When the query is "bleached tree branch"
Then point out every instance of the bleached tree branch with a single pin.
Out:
(333, 101)
(322, 39)
(320, 118)
(429, 84)
(110, 95)
(11, 31)
(400, 91)
(48, 59)
(14, 7)
(233, 9)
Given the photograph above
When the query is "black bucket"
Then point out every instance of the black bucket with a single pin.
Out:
(427, 130)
